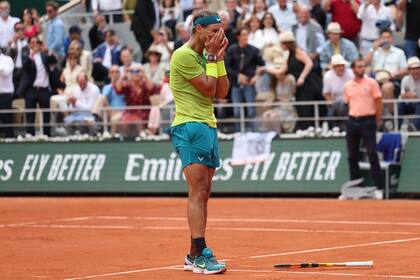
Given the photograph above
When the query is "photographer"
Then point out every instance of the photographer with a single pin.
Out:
(137, 90)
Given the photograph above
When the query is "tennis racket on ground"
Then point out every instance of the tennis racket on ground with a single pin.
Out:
(309, 265)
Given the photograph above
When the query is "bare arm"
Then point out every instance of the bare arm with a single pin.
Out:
(205, 84)
(222, 81)
(302, 56)
(378, 105)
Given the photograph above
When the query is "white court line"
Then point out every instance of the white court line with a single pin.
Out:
(251, 257)
(222, 229)
(45, 221)
(321, 273)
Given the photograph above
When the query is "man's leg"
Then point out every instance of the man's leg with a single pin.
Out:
(417, 113)
(353, 143)
(30, 103)
(368, 131)
(7, 118)
(237, 98)
(44, 103)
(388, 93)
(250, 94)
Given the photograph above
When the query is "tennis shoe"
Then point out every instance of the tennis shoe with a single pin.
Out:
(207, 263)
(189, 263)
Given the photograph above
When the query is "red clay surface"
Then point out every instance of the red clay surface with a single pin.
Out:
(147, 238)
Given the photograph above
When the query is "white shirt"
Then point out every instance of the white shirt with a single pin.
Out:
(369, 16)
(166, 55)
(85, 99)
(285, 19)
(270, 36)
(107, 62)
(6, 74)
(256, 39)
(106, 5)
(41, 79)
(393, 60)
(334, 84)
(7, 30)
(409, 84)
(301, 36)
(19, 45)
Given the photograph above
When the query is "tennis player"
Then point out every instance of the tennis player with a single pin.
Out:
(197, 75)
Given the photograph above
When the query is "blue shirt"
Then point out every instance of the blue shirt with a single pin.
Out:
(55, 36)
(347, 49)
(114, 99)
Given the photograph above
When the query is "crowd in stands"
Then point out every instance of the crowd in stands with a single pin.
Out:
(280, 51)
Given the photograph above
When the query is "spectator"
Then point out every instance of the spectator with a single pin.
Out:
(31, 28)
(83, 97)
(227, 28)
(113, 100)
(412, 23)
(318, 14)
(269, 30)
(309, 85)
(75, 34)
(137, 90)
(6, 94)
(199, 5)
(255, 37)
(410, 89)
(36, 82)
(146, 22)
(334, 81)
(259, 10)
(170, 14)
(384, 56)
(55, 31)
(186, 7)
(309, 34)
(71, 71)
(337, 45)
(344, 12)
(234, 15)
(363, 96)
(182, 35)
(126, 57)
(17, 46)
(111, 8)
(105, 55)
(284, 14)
(97, 32)
(241, 61)
(154, 70)
(165, 45)
(374, 16)
(7, 24)
(84, 56)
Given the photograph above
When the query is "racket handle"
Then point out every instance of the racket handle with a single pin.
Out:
(366, 263)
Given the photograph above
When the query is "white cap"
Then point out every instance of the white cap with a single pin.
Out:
(413, 62)
(338, 59)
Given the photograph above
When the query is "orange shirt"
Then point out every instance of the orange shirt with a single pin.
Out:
(361, 95)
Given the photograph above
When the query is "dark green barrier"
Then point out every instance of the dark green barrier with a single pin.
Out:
(410, 171)
(306, 165)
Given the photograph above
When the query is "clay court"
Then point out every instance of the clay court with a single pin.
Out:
(147, 238)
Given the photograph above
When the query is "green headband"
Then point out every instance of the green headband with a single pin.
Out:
(207, 20)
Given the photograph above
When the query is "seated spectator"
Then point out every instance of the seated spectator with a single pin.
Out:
(7, 24)
(309, 85)
(82, 98)
(154, 69)
(375, 16)
(410, 89)
(71, 71)
(259, 9)
(75, 34)
(113, 100)
(227, 28)
(334, 81)
(284, 14)
(255, 37)
(269, 30)
(241, 61)
(318, 14)
(344, 12)
(6, 94)
(199, 5)
(309, 34)
(164, 44)
(84, 56)
(105, 55)
(126, 57)
(55, 31)
(336, 45)
(108, 7)
(182, 35)
(97, 32)
(384, 56)
(30, 27)
(137, 90)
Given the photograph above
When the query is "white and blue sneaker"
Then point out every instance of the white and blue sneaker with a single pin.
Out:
(189, 263)
(207, 263)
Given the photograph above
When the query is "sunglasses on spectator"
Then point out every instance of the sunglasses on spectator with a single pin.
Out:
(135, 71)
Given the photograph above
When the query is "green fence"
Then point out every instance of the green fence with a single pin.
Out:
(296, 166)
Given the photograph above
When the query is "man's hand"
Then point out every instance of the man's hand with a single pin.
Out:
(243, 80)
(253, 80)
(221, 53)
(213, 44)
(72, 100)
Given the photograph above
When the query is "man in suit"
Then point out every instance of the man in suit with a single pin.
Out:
(37, 82)
(146, 22)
